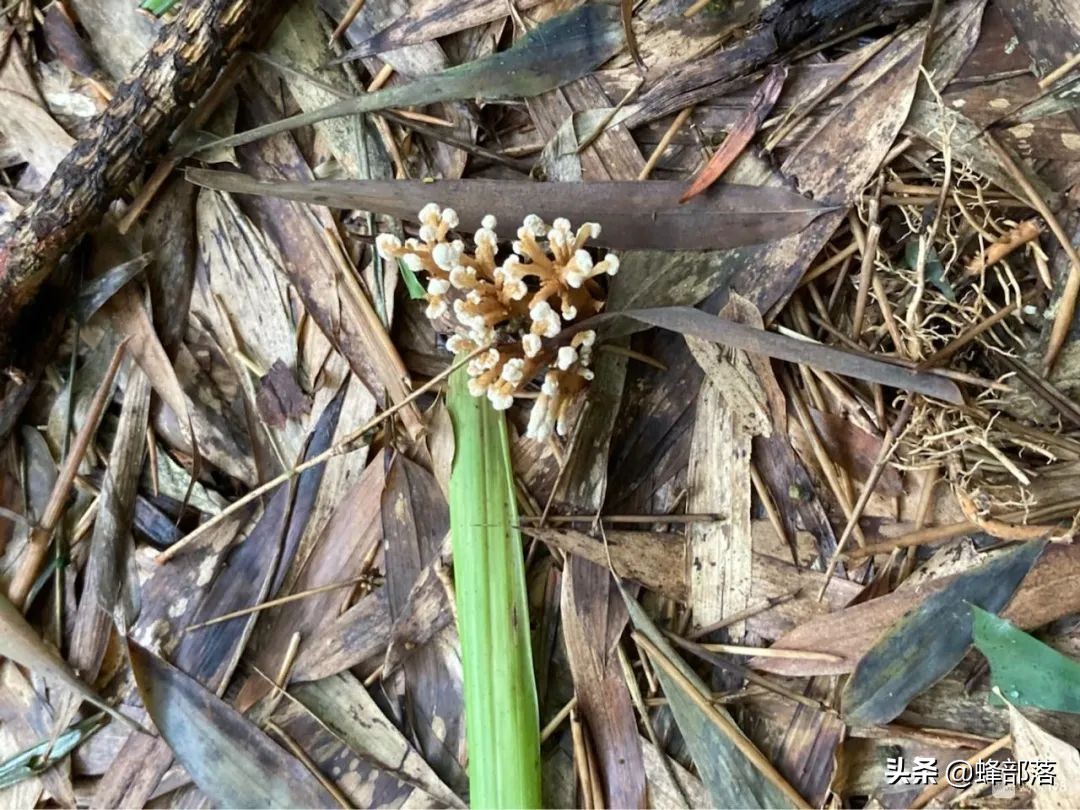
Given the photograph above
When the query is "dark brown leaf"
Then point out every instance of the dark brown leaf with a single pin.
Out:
(279, 398)
(740, 134)
(632, 215)
(690, 321)
(229, 757)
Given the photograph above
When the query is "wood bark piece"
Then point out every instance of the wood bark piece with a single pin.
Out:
(186, 57)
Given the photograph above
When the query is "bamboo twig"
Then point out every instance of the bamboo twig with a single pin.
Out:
(38, 546)
(888, 445)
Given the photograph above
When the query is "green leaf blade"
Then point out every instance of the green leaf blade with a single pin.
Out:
(501, 710)
(1027, 671)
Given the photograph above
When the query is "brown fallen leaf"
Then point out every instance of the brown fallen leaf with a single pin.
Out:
(632, 215)
(279, 398)
(1049, 592)
(1031, 743)
(740, 134)
(20, 643)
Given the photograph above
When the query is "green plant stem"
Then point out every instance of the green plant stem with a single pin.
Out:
(157, 7)
(501, 715)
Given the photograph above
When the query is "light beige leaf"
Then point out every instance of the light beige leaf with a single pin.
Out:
(732, 408)
(1030, 742)
(21, 644)
(131, 320)
(344, 705)
(26, 123)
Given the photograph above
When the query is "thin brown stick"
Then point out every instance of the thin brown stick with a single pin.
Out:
(968, 335)
(704, 652)
(205, 108)
(37, 548)
(772, 652)
(297, 751)
(665, 141)
(281, 600)
(602, 125)
(828, 264)
(938, 534)
(733, 733)
(341, 448)
(609, 519)
(802, 412)
(742, 615)
(888, 445)
(557, 720)
(1059, 71)
(347, 18)
(866, 269)
(798, 114)
(773, 513)
(581, 759)
(935, 790)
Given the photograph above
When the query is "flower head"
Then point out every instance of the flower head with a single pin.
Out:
(513, 307)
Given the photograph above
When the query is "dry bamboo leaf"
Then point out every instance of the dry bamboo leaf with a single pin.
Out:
(415, 522)
(658, 561)
(24, 646)
(106, 599)
(1032, 743)
(26, 123)
(410, 63)
(740, 135)
(735, 773)
(244, 279)
(231, 760)
(119, 37)
(690, 321)
(26, 720)
(592, 625)
(225, 582)
(339, 555)
(592, 612)
(304, 234)
(425, 612)
(431, 19)
(914, 654)
(557, 51)
(345, 706)
(1047, 593)
(611, 155)
(855, 450)
(632, 215)
(130, 319)
(300, 42)
(355, 638)
(1049, 29)
(731, 410)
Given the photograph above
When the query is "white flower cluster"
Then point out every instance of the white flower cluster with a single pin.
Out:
(548, 282)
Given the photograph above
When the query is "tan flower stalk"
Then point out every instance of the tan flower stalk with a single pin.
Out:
(549, 282)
